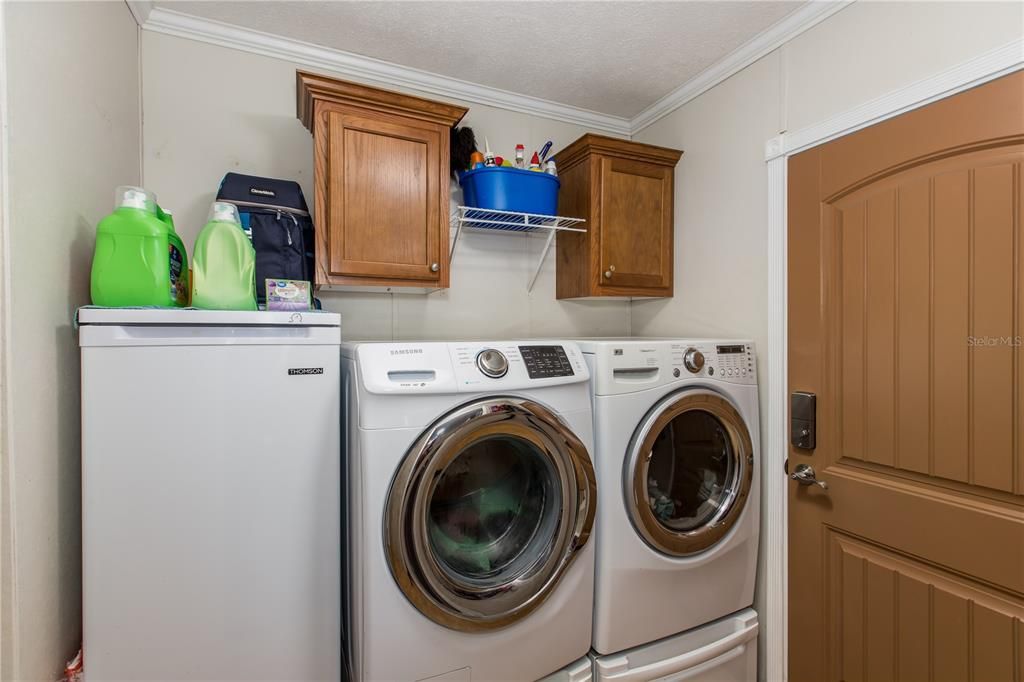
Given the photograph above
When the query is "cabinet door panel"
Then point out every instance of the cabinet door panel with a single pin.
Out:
(384, 200)
(636, 225)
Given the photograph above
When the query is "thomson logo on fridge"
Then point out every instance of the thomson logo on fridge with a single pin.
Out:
(303, 371)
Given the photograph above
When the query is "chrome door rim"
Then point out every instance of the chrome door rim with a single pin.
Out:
(654, 533)
(435, 592)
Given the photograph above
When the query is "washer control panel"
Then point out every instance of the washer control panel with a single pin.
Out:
(468, 366)
(545, 362)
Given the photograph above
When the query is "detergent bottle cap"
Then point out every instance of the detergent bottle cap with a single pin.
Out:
(127, 196)
(223, 212)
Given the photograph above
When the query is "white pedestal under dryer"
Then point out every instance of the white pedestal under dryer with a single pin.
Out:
(676, 456)
(471, 496)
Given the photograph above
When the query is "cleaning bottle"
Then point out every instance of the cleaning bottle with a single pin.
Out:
(520, 154)
(489, 160)
(224, 263)
(138, 260)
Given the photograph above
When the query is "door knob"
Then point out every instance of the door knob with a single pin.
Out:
(804, 475)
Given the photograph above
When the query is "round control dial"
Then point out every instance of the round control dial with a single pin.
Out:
(492, 363)
(694, 360)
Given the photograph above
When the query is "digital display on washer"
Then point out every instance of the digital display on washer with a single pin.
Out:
(722, 350)
(544, 362)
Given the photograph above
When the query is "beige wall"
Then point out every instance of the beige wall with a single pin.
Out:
(863, 52)
(73, 102)
(209, 110)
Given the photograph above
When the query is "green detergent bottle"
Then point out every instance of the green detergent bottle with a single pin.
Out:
(139, 260)
(224, 263)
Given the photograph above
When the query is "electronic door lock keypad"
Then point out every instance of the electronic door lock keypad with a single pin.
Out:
(802, 416)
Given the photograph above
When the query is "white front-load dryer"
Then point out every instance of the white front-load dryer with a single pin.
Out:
(676, 456)
(470, 499)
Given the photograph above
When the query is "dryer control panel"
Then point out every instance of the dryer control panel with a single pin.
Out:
(629, 365)
(723, 361)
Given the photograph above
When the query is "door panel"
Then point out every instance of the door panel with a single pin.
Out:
(905, 319)
(636, 224)
(384, 202)
(923, 620)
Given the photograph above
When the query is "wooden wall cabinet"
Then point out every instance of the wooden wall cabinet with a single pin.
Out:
(625, 192)
(381, 183)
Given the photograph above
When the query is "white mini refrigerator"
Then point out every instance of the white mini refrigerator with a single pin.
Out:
(210, 495)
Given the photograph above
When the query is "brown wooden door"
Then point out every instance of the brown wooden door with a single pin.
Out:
(906, 309)
(385, 198)
(635, 227)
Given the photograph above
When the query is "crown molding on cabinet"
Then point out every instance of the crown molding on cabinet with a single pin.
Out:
(376, 71)
(771, 39)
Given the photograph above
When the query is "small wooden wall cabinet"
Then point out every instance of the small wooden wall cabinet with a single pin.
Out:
(625, 192)
(381, 183)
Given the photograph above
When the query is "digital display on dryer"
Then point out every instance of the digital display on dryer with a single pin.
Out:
(544, 362)
(722, 350)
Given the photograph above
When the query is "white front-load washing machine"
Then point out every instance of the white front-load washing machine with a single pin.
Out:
(676, 456)
(470, 499)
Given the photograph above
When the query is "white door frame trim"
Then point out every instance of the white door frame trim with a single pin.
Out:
(998, 62)
(8, 593)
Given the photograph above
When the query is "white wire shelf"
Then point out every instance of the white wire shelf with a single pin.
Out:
(486, 220)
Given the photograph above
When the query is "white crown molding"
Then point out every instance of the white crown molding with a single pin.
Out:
(362, 68)
(972, 73)
(790, 26)
(140, 9)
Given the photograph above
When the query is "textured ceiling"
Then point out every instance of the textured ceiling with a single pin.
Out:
(613, 57)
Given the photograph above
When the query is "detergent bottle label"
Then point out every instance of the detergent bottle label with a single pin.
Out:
(179, 290)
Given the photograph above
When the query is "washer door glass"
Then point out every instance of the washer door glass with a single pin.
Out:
(689, 472)
(494, 510)
(487, 511)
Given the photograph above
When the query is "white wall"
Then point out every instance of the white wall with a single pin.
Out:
(858, 54)
(74, 133)
(209, 110)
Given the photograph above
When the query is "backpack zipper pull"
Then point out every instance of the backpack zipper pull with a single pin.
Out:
(287, 231)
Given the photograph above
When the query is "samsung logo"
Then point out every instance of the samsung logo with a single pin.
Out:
(407, 351)
(302, 371)
(262, 192)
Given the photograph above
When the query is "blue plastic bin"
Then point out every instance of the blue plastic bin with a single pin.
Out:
(511, 189)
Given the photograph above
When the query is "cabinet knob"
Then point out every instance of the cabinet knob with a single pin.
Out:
(609, 271)
(434, 267)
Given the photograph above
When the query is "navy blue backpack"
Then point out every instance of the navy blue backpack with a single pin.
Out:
(276, 218)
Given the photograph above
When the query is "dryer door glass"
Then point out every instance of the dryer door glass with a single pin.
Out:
(488, 510)
(689, 472)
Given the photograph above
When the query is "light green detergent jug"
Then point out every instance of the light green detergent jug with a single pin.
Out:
(224, 263)
(138, 259)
